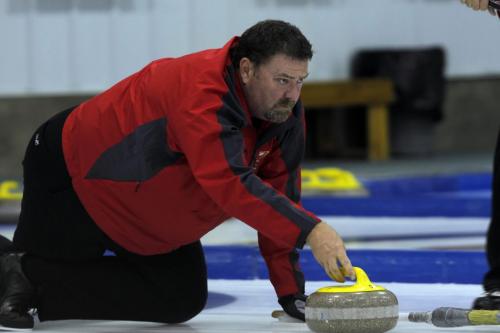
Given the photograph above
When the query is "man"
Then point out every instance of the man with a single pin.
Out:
(491, 282)
(149, 166)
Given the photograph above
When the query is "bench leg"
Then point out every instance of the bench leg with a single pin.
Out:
(378, 133)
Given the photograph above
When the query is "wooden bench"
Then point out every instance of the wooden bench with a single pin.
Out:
(375, 94)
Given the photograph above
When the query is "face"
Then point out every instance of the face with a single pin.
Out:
(273, 88)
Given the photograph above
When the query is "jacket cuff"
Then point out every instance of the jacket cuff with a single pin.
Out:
(301, 240)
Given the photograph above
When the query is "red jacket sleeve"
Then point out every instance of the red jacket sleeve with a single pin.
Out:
(281, 169)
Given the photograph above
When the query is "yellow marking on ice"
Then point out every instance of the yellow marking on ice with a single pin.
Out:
(10, 190)
(329, 179)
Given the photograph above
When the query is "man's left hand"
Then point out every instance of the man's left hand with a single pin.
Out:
(294, 305)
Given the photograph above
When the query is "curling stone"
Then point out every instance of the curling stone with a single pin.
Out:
(359, 308)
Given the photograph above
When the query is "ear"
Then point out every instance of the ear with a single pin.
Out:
(246, 69)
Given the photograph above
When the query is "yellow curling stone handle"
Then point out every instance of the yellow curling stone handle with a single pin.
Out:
(362, 284)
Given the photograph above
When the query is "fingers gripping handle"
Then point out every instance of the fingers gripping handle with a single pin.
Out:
(362, 284)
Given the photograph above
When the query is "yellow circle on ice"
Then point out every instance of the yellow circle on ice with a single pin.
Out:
(329, 179)
(10, 190)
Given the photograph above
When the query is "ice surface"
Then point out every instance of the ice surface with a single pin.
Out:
(244, 306)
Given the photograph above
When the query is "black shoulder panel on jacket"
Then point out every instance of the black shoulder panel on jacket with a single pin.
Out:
(234, 114)
(138, 157)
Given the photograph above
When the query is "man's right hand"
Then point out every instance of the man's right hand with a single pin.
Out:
(329, 250)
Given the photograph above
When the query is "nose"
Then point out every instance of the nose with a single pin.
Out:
(293, 92)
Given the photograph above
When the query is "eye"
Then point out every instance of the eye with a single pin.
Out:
(282, 81)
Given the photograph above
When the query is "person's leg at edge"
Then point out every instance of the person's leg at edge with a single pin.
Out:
(491, 282)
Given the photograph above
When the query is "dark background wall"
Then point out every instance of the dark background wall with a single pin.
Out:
(472, 116)
(470, 124)
(19, 118)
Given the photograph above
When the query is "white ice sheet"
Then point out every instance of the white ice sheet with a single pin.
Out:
(255, 300)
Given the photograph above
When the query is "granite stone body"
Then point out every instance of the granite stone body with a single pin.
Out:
(352, 312)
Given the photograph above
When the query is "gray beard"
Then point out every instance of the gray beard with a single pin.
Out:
(277, 116)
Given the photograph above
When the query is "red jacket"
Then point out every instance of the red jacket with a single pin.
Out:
(170, 152)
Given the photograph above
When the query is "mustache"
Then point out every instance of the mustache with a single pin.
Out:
(285, 103)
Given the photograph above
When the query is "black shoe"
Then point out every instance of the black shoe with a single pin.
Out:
(490, 301)
(16, 294)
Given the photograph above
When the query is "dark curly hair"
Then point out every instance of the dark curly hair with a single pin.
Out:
(268, 38)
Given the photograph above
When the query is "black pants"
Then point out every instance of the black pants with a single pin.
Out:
(64, 252)
(492, 278)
